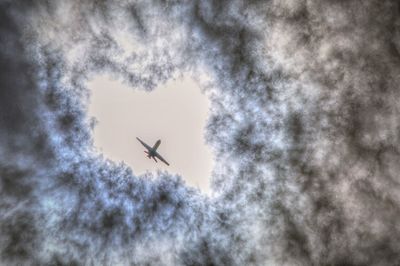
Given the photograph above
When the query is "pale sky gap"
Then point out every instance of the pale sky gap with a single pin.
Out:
(175, 112)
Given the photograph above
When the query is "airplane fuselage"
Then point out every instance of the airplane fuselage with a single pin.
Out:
(150, 153)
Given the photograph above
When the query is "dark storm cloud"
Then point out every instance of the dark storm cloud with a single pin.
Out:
(304, 124)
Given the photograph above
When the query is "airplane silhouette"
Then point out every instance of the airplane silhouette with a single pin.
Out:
(152, 151)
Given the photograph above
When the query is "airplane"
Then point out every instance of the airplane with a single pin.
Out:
(152, 151)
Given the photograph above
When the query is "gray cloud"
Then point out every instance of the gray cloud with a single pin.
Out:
(304, 123)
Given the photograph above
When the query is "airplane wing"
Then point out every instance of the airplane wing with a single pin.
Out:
(144, 144)
(161, 158)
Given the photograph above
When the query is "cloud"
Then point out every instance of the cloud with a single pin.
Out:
(303, 123)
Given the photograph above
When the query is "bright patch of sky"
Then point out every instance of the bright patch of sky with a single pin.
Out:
(175, 112)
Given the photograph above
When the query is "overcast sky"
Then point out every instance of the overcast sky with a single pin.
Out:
(300, 116)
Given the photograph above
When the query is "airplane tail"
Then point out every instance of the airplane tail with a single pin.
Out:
(155, 159)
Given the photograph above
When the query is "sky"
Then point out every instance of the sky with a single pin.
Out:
(301, 119)
(175, 112)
